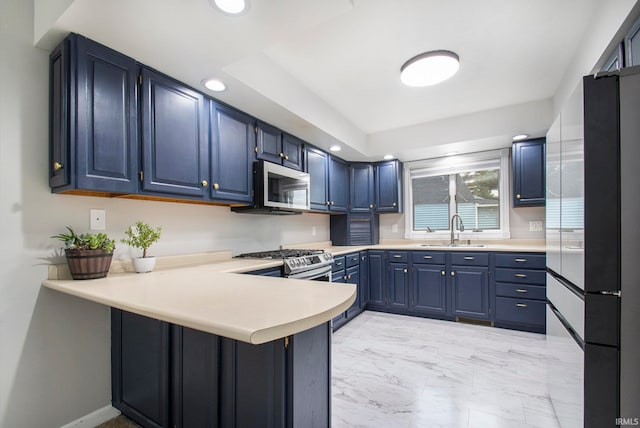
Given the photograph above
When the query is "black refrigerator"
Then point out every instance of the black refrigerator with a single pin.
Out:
(593, 253)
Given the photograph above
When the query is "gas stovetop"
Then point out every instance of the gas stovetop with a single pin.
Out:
(296, 261)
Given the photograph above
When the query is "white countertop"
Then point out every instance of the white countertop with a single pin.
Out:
(249, 308)
(209, 295)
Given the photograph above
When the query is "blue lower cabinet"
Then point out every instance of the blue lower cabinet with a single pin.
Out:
(363, 289)
(528, 314)
(274, 271)
(428, 289)
(338, 276)
(398, 286)
(164, 375)
(352, 276)
(470, 292)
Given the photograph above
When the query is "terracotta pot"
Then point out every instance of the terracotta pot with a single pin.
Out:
(88, 264)
(143, 264)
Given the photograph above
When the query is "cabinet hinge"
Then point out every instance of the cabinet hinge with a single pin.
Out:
(141, 174)
(139, 79)
(286, 342)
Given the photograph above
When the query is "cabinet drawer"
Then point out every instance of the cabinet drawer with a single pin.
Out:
(521, 261)
(520, 311)
(521, 291)
(398, 256)
(352, 259)
(429, 257)
(521, 276)
(470, 259)
(338, 263)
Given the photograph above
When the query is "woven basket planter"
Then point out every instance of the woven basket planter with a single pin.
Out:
(88, 264)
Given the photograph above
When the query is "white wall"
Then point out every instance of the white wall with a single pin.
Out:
(55, 349)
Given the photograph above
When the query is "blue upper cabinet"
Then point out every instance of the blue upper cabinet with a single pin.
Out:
(93, 120)
(174, 138)
(292, 153)
(632, 46)
(529, 173)
(317, 166)
(269, 143)
(275, 146)
(388, 187)
(233, 140)
(361, 187)
(338, 184)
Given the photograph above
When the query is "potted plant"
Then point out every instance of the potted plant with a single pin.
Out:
(88, 255)
(142, 236)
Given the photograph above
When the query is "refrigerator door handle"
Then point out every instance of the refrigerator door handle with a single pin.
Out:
(611, 293)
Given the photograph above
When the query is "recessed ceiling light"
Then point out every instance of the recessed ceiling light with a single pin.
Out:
(335, 148)
(520, 137)
(451, 153)
(231, 7)
(388, 157)
(214, 85)
(429, 68)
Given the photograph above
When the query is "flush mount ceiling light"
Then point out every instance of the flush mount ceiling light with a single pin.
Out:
(214, 85)
(231, 7)
(335, 148)
(429, 68)
(520, 137)
(388, 157)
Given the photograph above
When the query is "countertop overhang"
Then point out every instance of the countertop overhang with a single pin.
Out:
(250, 308)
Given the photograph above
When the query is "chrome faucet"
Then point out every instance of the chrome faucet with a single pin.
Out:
(460, 225)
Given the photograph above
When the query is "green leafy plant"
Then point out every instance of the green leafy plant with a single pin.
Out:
(141, 235)
(86, 241)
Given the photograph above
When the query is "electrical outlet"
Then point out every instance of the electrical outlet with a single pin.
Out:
(98, 219)
(535, 226)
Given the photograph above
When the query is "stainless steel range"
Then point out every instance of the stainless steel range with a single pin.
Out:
(299, 264)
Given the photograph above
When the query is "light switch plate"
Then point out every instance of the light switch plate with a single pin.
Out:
(535, 226)
(98, 219)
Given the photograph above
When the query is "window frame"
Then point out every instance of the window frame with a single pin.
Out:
(453, 165)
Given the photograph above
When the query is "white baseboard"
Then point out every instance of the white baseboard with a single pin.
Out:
(95, 418)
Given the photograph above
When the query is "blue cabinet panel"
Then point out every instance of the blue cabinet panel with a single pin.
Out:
(376, 278)
(339, 264)
(470, 259)
(388, 186)
(522, 276)
(398, 286)
(352, 259)
(361, 187)
(429, 289)
(352, 276)
(528, 159)
(269, 143)
(338, 184)
(364, 279)
(430, 257)
(520, 260)
(232, 152)
(174, 137)
(317, 166)
(521, 311)
(470, 292)
(292, 152)
(521, 291)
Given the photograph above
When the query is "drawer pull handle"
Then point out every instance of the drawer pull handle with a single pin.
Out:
(520, 260)
(443, 273)
(404, 270)
(469, 258)
(428, 257)
(520, 290)
(521, 275)
(521, 305)
(453, 273)
(397, 256)
(338, 263)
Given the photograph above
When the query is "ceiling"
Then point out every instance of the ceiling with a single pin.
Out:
(328, 71)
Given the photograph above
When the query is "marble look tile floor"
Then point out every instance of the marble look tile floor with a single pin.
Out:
(398, 371)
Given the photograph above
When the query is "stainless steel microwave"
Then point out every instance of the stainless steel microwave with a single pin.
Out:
(278, 190)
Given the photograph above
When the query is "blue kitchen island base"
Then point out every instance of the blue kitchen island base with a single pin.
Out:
(167, 375)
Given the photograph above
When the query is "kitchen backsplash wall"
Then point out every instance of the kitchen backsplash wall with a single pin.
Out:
(392, 225)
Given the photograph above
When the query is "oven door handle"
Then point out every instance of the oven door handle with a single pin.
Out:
(311, 274)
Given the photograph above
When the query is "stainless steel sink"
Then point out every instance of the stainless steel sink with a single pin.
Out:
(454, 245)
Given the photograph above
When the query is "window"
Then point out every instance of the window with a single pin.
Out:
(473, 186)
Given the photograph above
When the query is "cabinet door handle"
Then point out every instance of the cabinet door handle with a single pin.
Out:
(216, 186)
(370, 205)
(520, 275)
(364, 257)
(443, 273)
(521, 305)
(204, 183)
(404, 270)
(469, 258)
(521, 290)
(428, 257)
(397, 256)
(520, 260)
(286, 157)
(394, 204)
(453, 273)
(57, 166)
(281, 155)
(518, 196)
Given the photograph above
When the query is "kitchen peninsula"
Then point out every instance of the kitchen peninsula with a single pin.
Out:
(204, 346)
